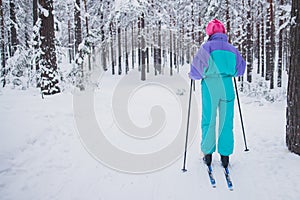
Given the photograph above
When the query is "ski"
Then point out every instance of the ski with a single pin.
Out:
(211, 177)
(228, 179)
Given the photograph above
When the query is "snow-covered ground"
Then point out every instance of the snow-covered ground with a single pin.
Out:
(42, 155)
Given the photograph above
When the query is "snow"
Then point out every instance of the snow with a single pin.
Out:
(44, 11)
(42, 156)
(121, 4)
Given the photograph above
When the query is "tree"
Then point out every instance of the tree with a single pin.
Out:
(270, 44)
(143, 51)
(78, 40)
(132, 45)
(35, 11)
(293, 103)
(112, 40)
(36, 37)
(87, 34)
(249, 43)
(77, 21)
(70, 44)
(102, 37)
(13, 28)
(228, 28)
(171, 50)
(114, 28)
(2, 44)
(126, 53)
(263, 39)
(49, 73)
(257, 50)
(280, 47)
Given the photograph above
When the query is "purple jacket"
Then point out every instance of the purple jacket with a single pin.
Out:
(217, 57)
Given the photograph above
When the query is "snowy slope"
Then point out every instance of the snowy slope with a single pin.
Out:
(42, 156)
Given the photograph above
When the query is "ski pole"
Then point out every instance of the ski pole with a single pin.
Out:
(187, 128)
(241, 116)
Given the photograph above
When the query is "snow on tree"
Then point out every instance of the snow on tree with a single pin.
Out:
(173, 31)
(48, 64)
(3, 60)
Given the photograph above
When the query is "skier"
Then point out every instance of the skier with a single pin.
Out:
(215, 63)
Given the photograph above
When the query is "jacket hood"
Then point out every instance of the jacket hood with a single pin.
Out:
(218, 36)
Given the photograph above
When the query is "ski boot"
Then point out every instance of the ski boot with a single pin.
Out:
(225, 161)
(207, 159)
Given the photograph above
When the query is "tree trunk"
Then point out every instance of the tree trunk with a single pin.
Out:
(293, 104)
(139, 51)
(228, 21)
(3, 71)
(158, 50)
(104, 48)
(171, 54)
(126, 53)
(270, 45)
(147, 52)
(201, 36)
(87, 35)
(249, 44)
(119, 52)
(182, 44)
(27, 31)
(35, 11)
(287, 50)
(36, 35)
(280, 51)
(77, 21)
(49, 73)
(263, 46)
(187, 45)
(133, 46)
(175, 51)
(112, 34)
(78, 40)
(193, 23)
(143, 51)
(13, 28)
(258, 38)
(70, 42)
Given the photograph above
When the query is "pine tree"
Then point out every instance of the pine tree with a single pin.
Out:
(13, 28)
(143, 52)
(36, 39)
(270, 44)
(88, 42)
(112, 51)
(78, 40)
(49, 72)
(249, 42)
(77, 21)
(263, 46)
(119, 51)
(3, 72)
(102, 37)
(293, 104)
(280, 50)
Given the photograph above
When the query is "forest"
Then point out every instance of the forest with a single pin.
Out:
(38, 37)
(53, 45)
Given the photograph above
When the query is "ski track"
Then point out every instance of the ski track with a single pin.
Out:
(41, 157)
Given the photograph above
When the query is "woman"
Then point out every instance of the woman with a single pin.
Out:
(216, 62)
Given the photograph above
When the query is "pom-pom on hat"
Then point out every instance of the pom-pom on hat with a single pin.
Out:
(215, 26)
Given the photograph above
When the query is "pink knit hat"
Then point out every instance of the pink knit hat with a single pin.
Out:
(215, 26)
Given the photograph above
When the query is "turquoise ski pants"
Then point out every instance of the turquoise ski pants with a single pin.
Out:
(217, 95)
